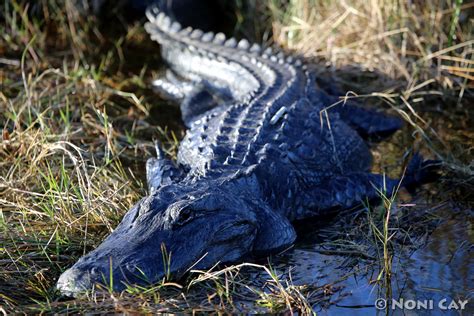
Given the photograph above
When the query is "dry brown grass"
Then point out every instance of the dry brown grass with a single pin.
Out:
(415, 56)
(407, 40)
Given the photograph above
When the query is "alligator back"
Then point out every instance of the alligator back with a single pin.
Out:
(268, 110)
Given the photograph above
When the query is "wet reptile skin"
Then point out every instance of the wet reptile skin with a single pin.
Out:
(256, 156)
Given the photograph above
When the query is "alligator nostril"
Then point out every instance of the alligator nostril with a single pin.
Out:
(131, 267)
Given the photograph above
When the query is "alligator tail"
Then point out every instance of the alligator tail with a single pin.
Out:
(420, 171)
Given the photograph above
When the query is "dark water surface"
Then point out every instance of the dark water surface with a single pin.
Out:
(442, 268)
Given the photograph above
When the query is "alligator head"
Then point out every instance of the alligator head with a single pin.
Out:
(194, 228)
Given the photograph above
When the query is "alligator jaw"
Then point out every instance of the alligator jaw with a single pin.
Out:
(158, 238)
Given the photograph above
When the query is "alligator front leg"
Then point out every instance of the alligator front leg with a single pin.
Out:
(347, 191)
(274, 233)
(161, 171)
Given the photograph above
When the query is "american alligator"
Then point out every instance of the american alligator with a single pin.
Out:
(256, 157)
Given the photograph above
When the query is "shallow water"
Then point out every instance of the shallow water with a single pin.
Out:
(440, 270)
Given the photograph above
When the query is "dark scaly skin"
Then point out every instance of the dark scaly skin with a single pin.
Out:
(256, 156)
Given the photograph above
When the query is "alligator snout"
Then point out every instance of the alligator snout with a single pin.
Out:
(73, 281)
(159, 238)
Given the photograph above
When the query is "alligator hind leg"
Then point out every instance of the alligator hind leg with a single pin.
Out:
(369, 123)
(161, 171)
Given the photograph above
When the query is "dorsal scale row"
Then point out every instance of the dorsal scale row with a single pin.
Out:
(262, 80)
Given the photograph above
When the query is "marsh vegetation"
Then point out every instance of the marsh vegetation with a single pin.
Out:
(78, 119)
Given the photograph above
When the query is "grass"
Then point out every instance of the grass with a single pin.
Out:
(383, 239)
(78, 120)
(406, 52)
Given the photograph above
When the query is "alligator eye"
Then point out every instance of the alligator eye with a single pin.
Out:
(185, 215)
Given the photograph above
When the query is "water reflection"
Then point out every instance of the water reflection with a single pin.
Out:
(441, 268)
